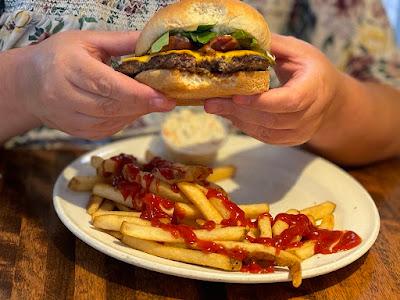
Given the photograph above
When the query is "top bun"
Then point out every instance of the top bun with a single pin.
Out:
(188, 14)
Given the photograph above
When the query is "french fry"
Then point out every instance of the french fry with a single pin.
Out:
(264, 226)
(107, 205)
(96, 161)
(196, 257)
(83, 183)
(186, 210)
(221, 173)
(320, 210)
(311, 218)
(122, 207)
(278, 227)
(259, 251)
(114, 222)
(161, 235)
(304, 251)
(164, 190)
(202, 188)
(109, 166)
(107, 191)
(115, 234)
(252, 211)
(220, 207)
(327, 222)
(118, 213)
(196, 196)
(201, 222)
(94, 204)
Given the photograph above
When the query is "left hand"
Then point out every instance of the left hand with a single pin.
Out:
(293, 113)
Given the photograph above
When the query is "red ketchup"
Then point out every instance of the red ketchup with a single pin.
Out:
(121, 160)
(148, 178)
(174, 188)
(236, 215)
(166, 168)
(154, 207)
(209, 225)
(255, 268)
(326, 241)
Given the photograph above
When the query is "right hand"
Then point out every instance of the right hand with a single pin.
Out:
(66, 83)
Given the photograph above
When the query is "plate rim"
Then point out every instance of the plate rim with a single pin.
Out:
(228, 277)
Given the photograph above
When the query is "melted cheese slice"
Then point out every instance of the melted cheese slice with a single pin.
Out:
(199, 57)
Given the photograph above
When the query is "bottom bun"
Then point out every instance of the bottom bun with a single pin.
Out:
(190, 88)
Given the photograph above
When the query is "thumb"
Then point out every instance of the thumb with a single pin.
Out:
(114, 43)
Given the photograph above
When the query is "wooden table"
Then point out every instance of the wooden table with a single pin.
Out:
(41, 259)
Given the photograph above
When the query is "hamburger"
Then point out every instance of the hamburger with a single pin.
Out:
(198, 49)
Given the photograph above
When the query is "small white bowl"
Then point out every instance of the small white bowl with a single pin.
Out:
(193, 137)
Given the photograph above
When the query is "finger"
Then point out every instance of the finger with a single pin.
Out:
(282, 137)
(287, 99)
(94, 105)
(288, 47)
(254, 116)
(115, 43)
(133, 97)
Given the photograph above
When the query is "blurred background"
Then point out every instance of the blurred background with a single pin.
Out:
(393, 10)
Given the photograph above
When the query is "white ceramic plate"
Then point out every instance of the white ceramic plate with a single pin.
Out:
(284, 177)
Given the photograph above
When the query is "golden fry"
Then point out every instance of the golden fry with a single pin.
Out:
(107, 205)
(115, 234)
(122, 207)
(279, 227)
(264, 225)
(94, 204)
(118, 213)
(252, 211)
(83, 183)
(196, 196)
(327, 222)
(161, 235)
(109, 192)
(221, 173)
(114, 222)
(320, 210)
(196, 257)
(259, 251)
(304, 251)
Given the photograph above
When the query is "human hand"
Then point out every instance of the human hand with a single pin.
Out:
(292, 113)
(66, 83)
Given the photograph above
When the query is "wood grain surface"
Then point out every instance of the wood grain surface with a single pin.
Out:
(41, 259)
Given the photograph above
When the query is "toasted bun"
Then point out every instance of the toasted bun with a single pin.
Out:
(188, 14)
(189, 88)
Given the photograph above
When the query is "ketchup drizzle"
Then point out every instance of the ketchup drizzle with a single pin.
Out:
(236, 215)
(326, 241)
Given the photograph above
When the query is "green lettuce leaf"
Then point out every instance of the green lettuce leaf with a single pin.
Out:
(160, 43)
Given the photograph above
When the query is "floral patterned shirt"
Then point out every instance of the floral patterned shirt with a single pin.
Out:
(354, 34)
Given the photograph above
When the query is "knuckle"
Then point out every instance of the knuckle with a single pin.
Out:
(110, 106)
(104, 86)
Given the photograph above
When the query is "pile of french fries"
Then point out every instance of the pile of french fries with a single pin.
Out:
(112, 213)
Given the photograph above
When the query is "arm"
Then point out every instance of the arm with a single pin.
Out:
(14, 118)
(362, 124)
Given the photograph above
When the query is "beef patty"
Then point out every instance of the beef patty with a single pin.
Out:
(188, 63)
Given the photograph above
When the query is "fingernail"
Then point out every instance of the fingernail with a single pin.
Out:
(162, 103)
(241, 100)
(213, 108)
